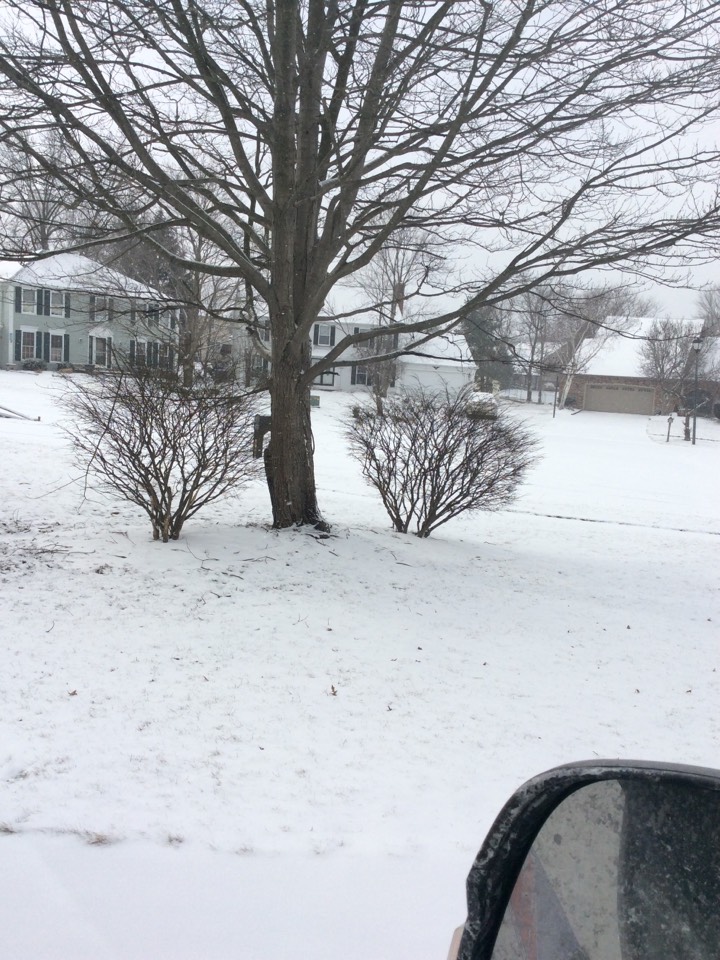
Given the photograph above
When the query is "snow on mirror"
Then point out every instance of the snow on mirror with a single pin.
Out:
(620, 871)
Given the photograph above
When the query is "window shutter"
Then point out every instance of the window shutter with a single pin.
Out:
(316, 333)
(356, 330)
(396, 340)
(132, 352)
(39, 301)
(353, 374)
(171, 359)
(18, 342)
(18, 300)
(91, 344)
(67, 306)
(46, 303)
(332, 336)
(46, 346)
(133, 317)
(110, 310)
(109, 351)
(38, 344)
(66, 348)
(92, 308)
(155, 351)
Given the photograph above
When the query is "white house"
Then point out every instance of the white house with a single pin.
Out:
(442, 363)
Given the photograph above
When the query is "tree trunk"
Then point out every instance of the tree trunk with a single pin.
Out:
(289, 456)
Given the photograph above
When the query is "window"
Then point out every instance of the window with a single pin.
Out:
(138, 352)
(102, 351)
(42, 303)
(57, 303)
(29, 301)
(56, 348)
(28, 345)
(146, 353)
(166, 357)
(152, 313)
(98, 309)
(260, 364)
(324, 335)
(361, 375)
(326, 378)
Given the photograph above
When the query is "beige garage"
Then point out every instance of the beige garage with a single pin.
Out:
(619, 398)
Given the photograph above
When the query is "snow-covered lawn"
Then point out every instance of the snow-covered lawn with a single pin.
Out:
(257, 744)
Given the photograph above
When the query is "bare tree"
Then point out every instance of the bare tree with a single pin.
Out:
(532, 324)
(709, 311)
(588, 319)
(169, 450)
(667, 357)
(298, 136)
(432, 457)
(389, 285)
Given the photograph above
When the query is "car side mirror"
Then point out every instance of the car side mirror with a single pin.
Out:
(600, 861)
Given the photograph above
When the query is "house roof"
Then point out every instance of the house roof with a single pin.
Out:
(73, 271)
(449, 349)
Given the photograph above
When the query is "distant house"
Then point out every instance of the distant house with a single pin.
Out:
(68, 310)
(444, 362)
(612, 381)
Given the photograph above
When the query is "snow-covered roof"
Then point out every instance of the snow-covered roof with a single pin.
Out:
(449, 349)
(73, 271)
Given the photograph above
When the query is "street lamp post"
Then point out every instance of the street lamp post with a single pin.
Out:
(697, 347)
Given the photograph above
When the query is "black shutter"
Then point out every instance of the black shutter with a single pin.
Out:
(92, 308)
(316, 333)
(18, 342)
(66, 348)
(39, 301)
(109, 351)
(155, 354)
(110, 310)
(356, 330)
(133, 316)
(18, 299)
(46, 346)
(332, 336)
(353, 374)
(38, 345)
(91, 344)
(132, 352)
(46, 303)
(171, 359)
(67, 306)
(396, 340)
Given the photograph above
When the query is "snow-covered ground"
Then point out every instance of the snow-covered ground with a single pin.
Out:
(259, 744)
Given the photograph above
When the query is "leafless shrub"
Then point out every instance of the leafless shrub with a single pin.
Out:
(168, 449)
(431, 460)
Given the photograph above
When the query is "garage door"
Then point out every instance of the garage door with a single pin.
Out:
(615, 398)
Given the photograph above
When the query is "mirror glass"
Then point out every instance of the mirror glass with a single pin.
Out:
(620, 871)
